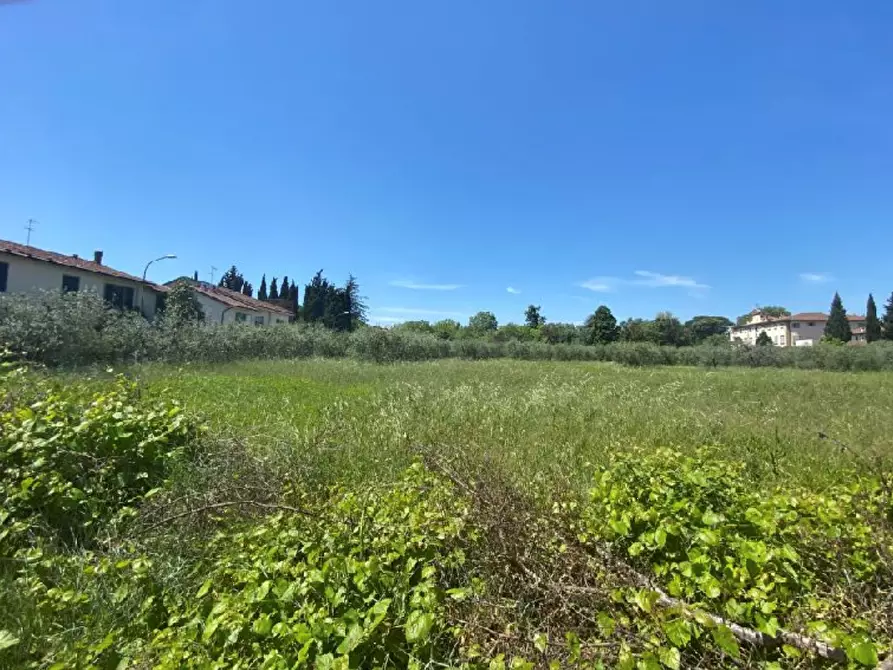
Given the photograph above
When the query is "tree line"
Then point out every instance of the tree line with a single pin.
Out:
(602, 327)
(340, 308)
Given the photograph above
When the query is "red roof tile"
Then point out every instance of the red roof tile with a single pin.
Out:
(819, 316)
(36, 254)
(235, 299)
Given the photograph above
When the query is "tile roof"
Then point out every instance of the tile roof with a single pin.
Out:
(234, 298)
(36, 254)
(820, 316)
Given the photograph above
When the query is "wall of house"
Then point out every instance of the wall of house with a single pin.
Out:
(776, 330)
(216, 312)
(28, 276)
(807, 330)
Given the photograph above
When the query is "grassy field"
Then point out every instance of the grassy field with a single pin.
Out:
(540, 419)
(487, 514)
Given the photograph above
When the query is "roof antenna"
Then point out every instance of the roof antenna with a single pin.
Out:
(213, 270)
(29, 228)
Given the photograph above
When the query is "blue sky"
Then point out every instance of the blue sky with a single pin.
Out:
(695, 156)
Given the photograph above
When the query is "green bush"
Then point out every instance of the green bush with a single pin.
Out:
(71, 460)
(787, 559)
(80, 329)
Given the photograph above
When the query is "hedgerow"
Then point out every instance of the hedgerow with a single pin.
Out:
(76, 329)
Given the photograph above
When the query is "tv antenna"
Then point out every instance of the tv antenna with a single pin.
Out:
(30, 228)
(213, 270)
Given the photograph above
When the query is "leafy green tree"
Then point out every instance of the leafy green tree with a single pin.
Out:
(638, 330)
(668, 330)
(262, 291)
(483, 323)
(872, 325)
(513, 332)
(247, 289)
(562, 333)
(763, 339)
(699, 328)
(838, 327)
(315, 294)
(274, 290)
(447, 329)
(533, 318)
(601, 326)
(181, 305)
(232, 279)
(352, 304)
(887, 321)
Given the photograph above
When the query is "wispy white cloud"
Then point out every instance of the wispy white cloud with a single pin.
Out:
(642, 278)
(657, 280)
(513, 290)
(416, 286)
(600, 284)
(815, 277)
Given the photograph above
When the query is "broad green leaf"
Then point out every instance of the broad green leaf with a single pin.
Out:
(711, 518)
(678, 632)
(351, 640)
(418, 625)
(541, 642)
(263, 625)
(670, 657)
(864, 653)
(204, 589)
(724, 637)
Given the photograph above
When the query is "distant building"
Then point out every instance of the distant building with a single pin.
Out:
(221, 305)
(797, 330)
(26, 269)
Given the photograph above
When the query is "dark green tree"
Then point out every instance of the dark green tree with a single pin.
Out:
(232, 279)
(274, 290)
(293, 298)
(601, 326)
(562, 333)
(247, 289)
(533, 318)
(315, 294)
(700, 328)
(638, 330)
(195, 276)
(872, 325)
(284, 288)
(447, 329)
(483, 323)
(262, 291)
(887, 321)
(763, 339)
(838, 327)
(181, 305)
(354, 304)
(668, 330)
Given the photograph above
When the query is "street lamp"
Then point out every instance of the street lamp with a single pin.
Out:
(160, 258)
(143, 287)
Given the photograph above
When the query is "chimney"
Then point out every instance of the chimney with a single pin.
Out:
(97, 256)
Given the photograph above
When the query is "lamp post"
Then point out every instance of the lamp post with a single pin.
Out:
(145, 270)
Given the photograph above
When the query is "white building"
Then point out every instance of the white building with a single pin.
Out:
(797, 330)
(221, 305)
(25, 269)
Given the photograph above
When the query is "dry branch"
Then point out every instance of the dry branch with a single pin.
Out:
(228, 503)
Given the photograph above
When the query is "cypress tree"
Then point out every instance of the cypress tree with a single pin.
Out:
(838, 328)
(887, 321)
(247, 289)
(872, 325)
(284, 288)
(195, 276)
(293, 298)
(274, 290)
(262, 291)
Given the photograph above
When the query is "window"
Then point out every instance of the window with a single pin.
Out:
(4, 274)
(258, 321)
(119, 296)
(70, 283)
(811, 324)
(241, 317)
(796, 324)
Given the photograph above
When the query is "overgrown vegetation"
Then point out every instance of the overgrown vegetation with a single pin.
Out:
(403, 524)
(79, 329)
